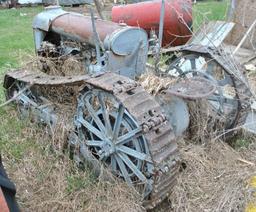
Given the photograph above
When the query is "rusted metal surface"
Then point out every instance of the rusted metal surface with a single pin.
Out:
(147, 16)
(40, 78)
(192, 88)
(42, 21)
(79, 27)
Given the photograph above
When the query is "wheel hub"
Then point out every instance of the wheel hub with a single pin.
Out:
(107, 149)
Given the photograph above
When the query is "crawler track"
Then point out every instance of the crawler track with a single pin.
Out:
(156, 130)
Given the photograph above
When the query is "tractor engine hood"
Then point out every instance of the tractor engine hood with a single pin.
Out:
(119, 38)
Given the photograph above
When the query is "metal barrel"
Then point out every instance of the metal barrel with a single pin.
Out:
(177, 19)
(78, 27)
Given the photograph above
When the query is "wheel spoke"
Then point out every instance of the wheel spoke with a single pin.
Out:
(94, 143)
(91, 128)
(178, 70)
(134, 153)
(230, 101)
(216, 98)
(113, 162)
(95, 116)
(226, 81)
(133, 168)
(222, 99)
(105, 114)
(118, 121)
(210, 67)
(124, 171)
(193, 65)
(128, 136)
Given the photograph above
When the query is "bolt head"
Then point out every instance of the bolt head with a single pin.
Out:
(166, 169)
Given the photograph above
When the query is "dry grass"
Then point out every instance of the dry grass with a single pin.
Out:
(47, 180)
(205, 123)
(154, 84)
(61, 66)
(203, 120)
(216, 178)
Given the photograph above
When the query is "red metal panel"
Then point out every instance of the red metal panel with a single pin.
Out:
(178, 17)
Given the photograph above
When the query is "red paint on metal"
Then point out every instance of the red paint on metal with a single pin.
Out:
(178, 17)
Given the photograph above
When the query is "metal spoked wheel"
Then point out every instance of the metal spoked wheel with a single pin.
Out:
(113, 137)
(224, 101)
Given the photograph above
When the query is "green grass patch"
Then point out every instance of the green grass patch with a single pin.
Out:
(16, 35)
(241, 142)
(16, 40)
(204, 11)
(76, 182)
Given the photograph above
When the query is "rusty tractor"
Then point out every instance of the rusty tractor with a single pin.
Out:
(116, 122)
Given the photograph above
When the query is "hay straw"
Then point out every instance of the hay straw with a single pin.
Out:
(61, 66)
(214, 179)
(154, 84)
(47, 180)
